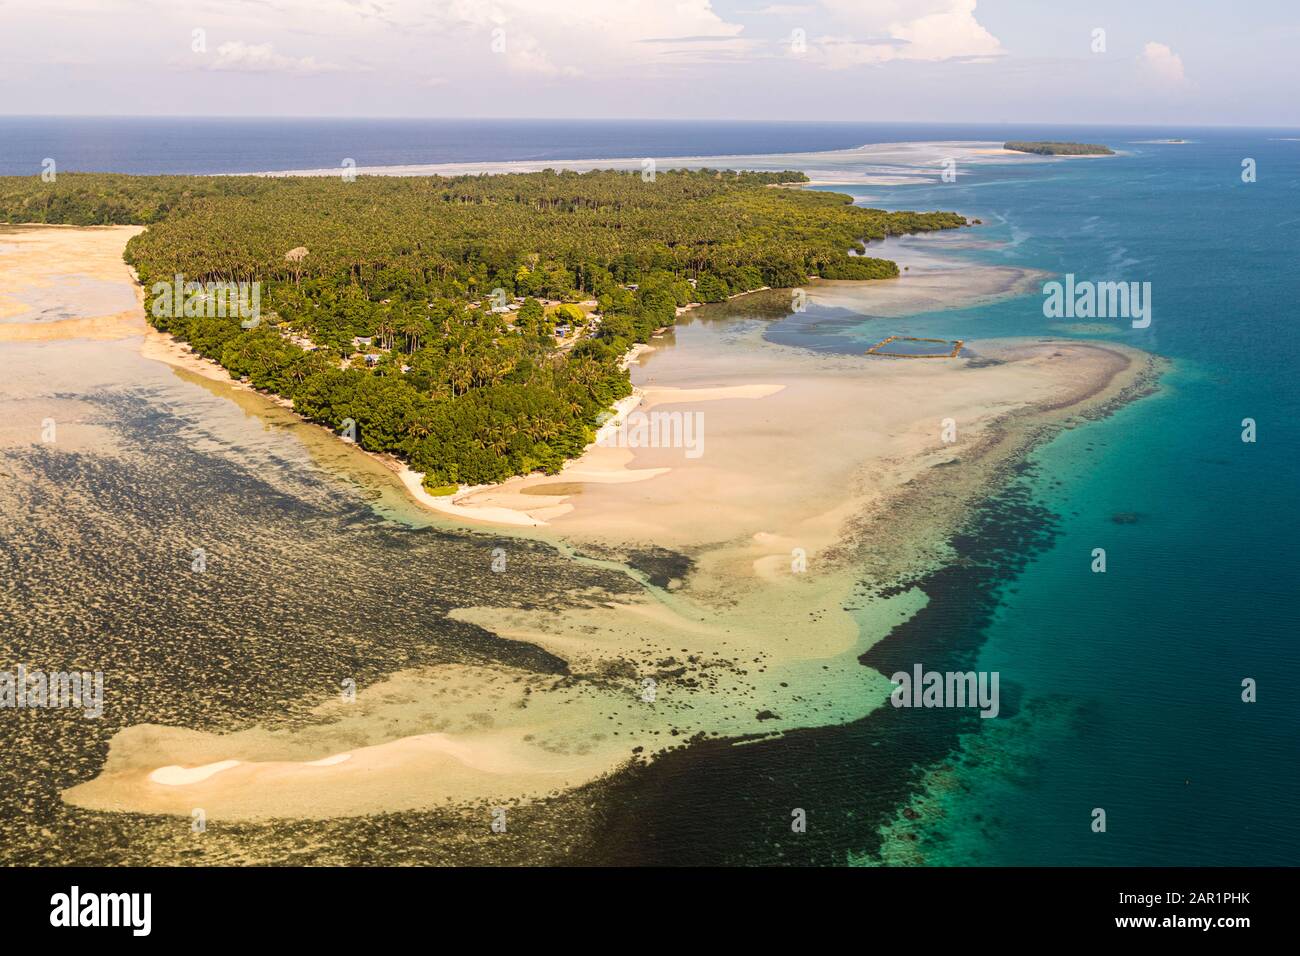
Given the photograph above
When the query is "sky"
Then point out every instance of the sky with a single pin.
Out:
(1150, 62)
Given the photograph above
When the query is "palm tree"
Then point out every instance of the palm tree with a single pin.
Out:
(412, 327)
(294, 257)
(460, 375)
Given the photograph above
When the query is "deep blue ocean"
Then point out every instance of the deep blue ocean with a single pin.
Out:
(180, 145)
(1130, 681)
(189, 145)
(1127, 685)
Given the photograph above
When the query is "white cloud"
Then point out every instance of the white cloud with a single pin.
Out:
(1163, 64)
(614, 33)
(539, 37)
(236, 55)
(524, 54)
(904, 30)
(783, 10)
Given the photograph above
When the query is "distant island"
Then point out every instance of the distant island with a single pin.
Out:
(1051, 148)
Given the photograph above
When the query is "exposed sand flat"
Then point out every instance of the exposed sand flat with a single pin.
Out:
(667, 395)
(930, 283)
(183, 776)
(833, 435)
(61, 282)
(885, 164)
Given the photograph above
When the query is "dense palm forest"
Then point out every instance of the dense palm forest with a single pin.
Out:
(1054, 148)
(425, 310)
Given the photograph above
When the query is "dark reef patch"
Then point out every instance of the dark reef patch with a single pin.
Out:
(661, 566)
(301, 587)
(718, 803)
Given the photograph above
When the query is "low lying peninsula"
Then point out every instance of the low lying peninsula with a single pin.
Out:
(738, 638)
(474, 327)
(1053, 148)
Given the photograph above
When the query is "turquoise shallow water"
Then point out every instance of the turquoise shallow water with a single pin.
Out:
(1130, 681)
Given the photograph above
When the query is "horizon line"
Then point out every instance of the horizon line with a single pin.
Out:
(595, 120)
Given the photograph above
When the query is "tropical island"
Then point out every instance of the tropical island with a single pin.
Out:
(474, 327)
(815, 460)
(1053, 148)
